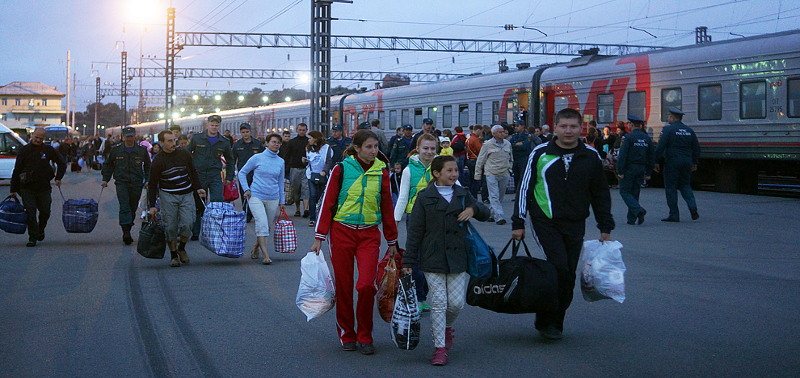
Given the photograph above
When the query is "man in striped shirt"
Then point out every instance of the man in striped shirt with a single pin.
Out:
(174, 178)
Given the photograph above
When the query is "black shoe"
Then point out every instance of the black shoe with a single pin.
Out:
(126, 234)
(490, 219)
(349, 347)
(305, 214)
(641, 216)
(31, 243)
(501, 222)
(486, 201)
(670, 220)
(695, 215)
(195, 238)
(551, 333)
(41, 235)
(297, 213)
(367, 349)
(632, 223)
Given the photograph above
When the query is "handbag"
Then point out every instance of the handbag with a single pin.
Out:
(524, 285)
(230, 192)
(13, 218)
(388, 277)
(285, 234)
(318, 179)
(406, 315)
(480, 255)
(152, 241)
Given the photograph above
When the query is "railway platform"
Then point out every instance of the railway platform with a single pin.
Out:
(712, 297)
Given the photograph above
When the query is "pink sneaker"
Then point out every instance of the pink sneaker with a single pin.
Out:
(448, 337)
(439, 357)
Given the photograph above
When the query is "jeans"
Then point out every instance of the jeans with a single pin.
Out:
(315, 192)
(36, 201)
(460, 161)
(472, 184)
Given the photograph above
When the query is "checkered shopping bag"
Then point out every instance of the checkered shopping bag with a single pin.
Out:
(285, 234)
(79, 215)
(223, 230)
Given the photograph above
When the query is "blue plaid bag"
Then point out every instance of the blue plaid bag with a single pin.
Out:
(79, 215)
(223, 230)
(13, 218)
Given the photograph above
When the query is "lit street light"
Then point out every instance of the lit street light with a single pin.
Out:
(216, 110)
(218, 97)
(265, 98)
(288, 99)
(161, 115)
(175, 115)
(195, 98)
(241, 98)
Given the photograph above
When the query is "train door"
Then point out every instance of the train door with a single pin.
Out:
(522, 103)
(547, 108)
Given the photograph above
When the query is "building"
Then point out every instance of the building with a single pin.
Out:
(25, 104)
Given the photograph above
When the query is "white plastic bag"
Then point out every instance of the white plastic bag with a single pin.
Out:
(603, 271)
(406, 316)
(317, 293)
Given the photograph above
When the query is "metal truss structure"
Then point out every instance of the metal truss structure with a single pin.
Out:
(232, 73)
(302, 41)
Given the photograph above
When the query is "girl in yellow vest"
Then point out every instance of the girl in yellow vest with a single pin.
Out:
(356, 198)
(416, 177)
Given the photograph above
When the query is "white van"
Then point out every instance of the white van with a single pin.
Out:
(10, 143)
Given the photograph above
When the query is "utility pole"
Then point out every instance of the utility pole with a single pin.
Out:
(68, 86)
(74, 78)
(170, 66)
(321, 63)
(97, 100)
(123, 97)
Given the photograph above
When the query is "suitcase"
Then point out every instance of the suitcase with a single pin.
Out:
(74, 167)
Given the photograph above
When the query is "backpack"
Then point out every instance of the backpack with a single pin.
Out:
(459, 143)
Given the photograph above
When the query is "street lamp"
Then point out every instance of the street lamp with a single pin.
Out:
(265, 98)
(195, 98)
(175, 115)
(217, 97)
(288, 99)
(200, 110)
(160, 115)
(183, 110)
(216, 110)
(241, 98)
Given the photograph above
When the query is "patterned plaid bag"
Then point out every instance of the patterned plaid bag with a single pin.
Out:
(285, 234)
(79, 215)
(223, 230)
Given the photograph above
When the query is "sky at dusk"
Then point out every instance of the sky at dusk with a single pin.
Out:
(36, 35)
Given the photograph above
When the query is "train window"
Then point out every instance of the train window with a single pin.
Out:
(463, 115)
(605, 108)
(383, 121)
(370, 116)
(670, 98)
(495, 112)
(393, 119)
(637, 104)
(709, 102)
(753, 100)
(447, 116)
(418, 116)
(793, 97)
(431, 114)
(479, 113)
(406, 118)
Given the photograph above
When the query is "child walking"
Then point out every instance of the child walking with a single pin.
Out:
(437, 223)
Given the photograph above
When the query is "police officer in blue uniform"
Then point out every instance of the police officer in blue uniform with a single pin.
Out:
(243, 150)
(338, 143)
(635, 162)
(402, 147)
(679, 149)
(521, 146)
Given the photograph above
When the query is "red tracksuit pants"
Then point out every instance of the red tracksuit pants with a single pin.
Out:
(362, 245)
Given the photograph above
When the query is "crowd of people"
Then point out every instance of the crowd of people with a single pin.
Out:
(354, 189)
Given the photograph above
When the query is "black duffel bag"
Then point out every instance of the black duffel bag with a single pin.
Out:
(523, 285)
(152, 242)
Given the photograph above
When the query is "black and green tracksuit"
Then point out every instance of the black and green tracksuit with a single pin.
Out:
(557, 189)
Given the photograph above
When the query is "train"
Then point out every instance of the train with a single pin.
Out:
(741, 96)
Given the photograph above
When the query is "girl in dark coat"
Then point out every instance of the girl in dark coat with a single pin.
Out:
(437, 232)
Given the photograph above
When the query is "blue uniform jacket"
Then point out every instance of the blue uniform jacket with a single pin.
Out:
(637, 148)
(678, 142)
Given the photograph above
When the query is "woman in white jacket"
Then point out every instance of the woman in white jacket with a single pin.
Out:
(319, 159)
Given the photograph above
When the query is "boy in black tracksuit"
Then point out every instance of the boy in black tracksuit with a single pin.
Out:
(562, 179)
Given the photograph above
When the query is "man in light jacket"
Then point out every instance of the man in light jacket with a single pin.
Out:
(495, 161)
